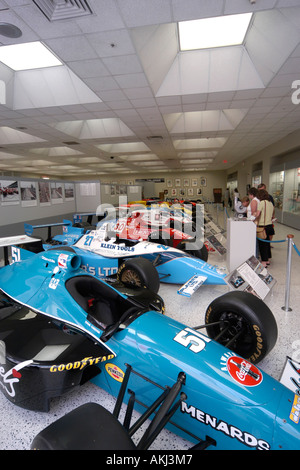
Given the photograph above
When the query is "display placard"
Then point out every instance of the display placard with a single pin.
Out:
(251, 276)
(218, 242)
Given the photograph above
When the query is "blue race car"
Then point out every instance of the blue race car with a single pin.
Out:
(60, 327)
(105, 255)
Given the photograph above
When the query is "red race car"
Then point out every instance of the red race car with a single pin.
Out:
(159, 226)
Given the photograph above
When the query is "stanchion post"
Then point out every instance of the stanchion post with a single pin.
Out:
(286, 307)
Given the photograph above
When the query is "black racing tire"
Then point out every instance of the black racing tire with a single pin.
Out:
(246, 314)
(160, 237)
(139, 272)
(201, 253)
(33, 247)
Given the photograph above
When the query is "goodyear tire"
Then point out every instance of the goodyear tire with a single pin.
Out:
(139, 272)
(33, 247)
(242, 314)
(201, 253)
(160, 237)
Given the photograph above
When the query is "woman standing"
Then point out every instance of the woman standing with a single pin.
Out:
(264, 216)
(254, 201)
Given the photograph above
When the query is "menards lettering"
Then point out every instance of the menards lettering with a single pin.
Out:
(228, 429)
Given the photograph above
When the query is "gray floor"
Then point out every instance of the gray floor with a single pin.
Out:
(18, 426)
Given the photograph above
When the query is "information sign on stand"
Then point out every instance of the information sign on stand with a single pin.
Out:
(251, 276)
(215, 236)
(218, 242)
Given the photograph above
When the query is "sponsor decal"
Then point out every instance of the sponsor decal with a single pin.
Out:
(109, 246)
(295, 411)
(48, 260)
(62, 260)
(11, 377)
(241, 370)
(100, 271)
(115, 372)
(229, 430)
(87, 361)
(53, 283)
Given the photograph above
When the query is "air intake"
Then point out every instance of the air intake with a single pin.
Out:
(63, 9)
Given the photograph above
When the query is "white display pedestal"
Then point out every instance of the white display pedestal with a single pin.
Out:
(241, 242)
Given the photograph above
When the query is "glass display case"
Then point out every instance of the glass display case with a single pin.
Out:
(276, 188)
(285, 189)
(291, 198)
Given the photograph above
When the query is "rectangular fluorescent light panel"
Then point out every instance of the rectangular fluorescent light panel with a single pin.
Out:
(27, 56)
(220, 31)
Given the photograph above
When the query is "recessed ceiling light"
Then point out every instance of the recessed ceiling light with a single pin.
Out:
(10, 30)
(219, 31)
(27, 56)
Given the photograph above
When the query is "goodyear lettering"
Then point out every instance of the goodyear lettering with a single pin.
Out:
(259, 344)
(87, 361)
(228, 429)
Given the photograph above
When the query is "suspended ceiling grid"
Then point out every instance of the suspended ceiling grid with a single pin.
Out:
(126, 100)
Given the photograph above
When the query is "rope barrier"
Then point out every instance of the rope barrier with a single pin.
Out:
(291, 243)
(296, 249)
(270, 241)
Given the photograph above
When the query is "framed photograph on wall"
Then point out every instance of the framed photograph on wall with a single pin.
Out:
(203, 181)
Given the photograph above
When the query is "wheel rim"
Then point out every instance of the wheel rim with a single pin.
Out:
(234, 332)
(131, 277)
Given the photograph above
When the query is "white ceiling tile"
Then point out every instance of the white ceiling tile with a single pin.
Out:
(72, 48)
(123, 64)
(142, 12)
(111, 43)
(236, 6)
(193, 9)
(138, 93)
(131, 80)
(89, 68)
(107, 17)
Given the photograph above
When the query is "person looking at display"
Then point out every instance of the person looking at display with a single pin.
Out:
(263, 186)
(241, 206)
(264, 216)
(252, 207)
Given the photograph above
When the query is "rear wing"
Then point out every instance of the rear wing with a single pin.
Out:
(30, 228)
